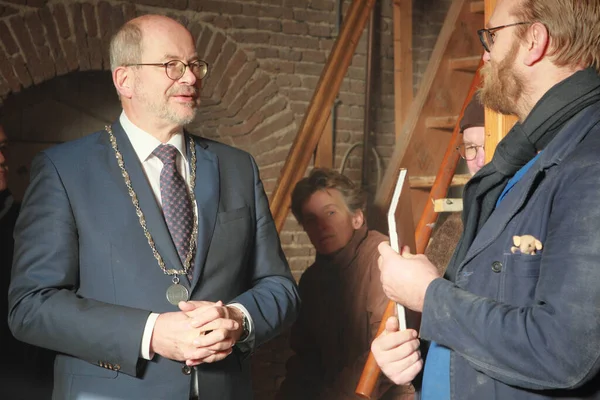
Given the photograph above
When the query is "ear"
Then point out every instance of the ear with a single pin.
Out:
(538, 245)
(358, 219)
(537, 40)
(123, 81)
(517, 240)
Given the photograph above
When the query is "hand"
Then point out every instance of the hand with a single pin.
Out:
(397, 353)
(405, 278)
(220, 328)
(173, 336)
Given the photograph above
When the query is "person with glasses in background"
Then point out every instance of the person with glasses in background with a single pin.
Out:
(516, 315)
(145, 256)
(448, 226)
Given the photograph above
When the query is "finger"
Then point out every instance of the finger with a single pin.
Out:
(186, 306)
(207, 315)
(402, 374)
(203, 352)
(392, 324)
(405, 252)
(385, 249)
(210, 359)
(220, 323)
(220, 338)
(407, 353)
(393, 340)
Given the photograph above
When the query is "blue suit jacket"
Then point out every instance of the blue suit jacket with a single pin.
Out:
(85, 279)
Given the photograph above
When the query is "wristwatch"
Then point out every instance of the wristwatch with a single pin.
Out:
(245, 329)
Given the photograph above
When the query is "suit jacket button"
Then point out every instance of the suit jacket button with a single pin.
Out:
(496, 266)
(186, 370)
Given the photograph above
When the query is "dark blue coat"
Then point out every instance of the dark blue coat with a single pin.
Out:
(528, 326)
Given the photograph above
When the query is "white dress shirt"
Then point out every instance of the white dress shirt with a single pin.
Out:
(144, 144)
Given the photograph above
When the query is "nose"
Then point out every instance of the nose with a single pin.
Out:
(2, 157)
(486, 56)
(480, 157)
(188, 77)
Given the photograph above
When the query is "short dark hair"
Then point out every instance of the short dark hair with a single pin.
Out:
(323, 179)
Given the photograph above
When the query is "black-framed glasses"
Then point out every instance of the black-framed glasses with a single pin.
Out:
(468, 152)
(487, 35)
(176, 68)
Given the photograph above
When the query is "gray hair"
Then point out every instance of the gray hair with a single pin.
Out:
(126, 46)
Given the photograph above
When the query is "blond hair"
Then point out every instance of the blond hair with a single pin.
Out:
(572, 26)
(126, 46)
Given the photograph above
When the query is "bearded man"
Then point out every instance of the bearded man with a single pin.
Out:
(516, 315)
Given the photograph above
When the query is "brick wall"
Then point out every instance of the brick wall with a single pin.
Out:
(266, 57)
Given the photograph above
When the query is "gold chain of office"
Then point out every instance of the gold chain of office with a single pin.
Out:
(140, 214)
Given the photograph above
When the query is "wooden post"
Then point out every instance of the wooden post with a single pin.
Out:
(496, 125)
(403, 62)
(324, 153)
(318, 111)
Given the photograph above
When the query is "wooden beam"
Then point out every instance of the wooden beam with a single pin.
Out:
(403, 61)
(319, 108)
(496, 125)
(468, 64)
(446, 123)
(324, 152)
(477, 7)
(426, 182)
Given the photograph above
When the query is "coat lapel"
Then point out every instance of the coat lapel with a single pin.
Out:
(207, 199)
(155, 221)
(559, 148)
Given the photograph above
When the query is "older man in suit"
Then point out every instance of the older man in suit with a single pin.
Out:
(147, 257)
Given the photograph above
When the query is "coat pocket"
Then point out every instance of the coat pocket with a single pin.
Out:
(520, 276)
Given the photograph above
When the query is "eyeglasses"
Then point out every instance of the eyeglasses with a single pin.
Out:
(487, 35)
(176, 68)
(469, 151)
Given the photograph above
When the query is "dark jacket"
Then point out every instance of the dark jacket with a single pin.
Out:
(528, 326)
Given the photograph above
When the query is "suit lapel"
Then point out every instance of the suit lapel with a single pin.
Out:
(155, 221)
(207, 199)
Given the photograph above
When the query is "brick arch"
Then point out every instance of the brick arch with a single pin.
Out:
(241, 102)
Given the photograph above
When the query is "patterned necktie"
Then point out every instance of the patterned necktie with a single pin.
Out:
(176, 203)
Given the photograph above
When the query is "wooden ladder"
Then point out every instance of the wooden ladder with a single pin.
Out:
(434, 113)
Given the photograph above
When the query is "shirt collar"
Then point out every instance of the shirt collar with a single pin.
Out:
(144, 143)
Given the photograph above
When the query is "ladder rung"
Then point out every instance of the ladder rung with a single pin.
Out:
(447, 123)
(469, 64)
(477, 7)
(426, 182)
(447, 205)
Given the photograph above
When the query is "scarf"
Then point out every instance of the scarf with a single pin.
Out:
(558, 105)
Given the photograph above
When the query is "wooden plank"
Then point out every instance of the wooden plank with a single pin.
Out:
(426, 182)
(446, 123)
(477, 7)
(324, 152)
(403, 62)
(465, 63)
(496, 125)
